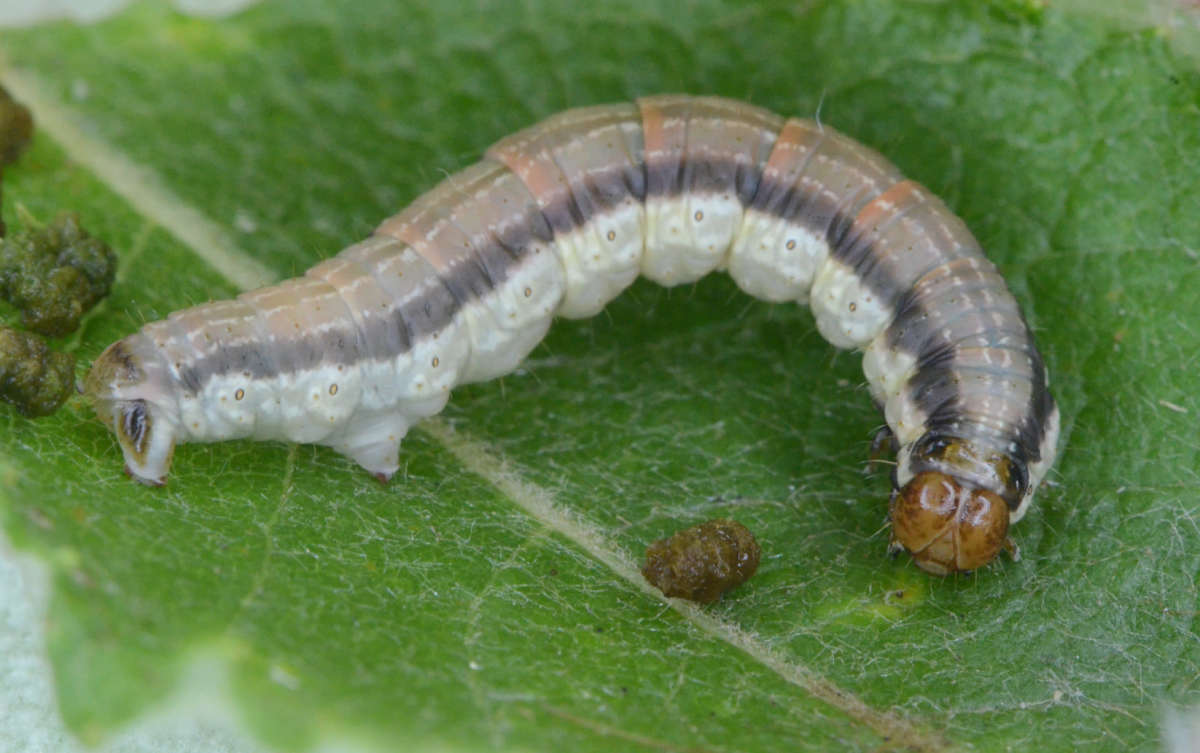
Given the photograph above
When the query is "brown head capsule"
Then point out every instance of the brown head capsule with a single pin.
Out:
(702, 562)
(948, 526)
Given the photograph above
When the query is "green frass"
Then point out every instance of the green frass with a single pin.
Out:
(53, 275)
(33, 378)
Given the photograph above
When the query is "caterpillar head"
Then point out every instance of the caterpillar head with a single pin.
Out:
(131, 393)
(948, 526)
(949, 515)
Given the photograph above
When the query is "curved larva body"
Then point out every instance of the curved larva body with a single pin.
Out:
(560, 218)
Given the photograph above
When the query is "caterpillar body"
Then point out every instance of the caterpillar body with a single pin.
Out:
(557, 220)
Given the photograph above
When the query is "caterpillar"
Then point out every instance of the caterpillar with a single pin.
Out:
(558, 219)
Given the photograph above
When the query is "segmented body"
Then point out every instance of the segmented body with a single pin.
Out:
(557, 220)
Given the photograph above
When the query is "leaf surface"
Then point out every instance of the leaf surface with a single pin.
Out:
(489, 597)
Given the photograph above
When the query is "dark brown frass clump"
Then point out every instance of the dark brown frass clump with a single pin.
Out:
(55, 274)
(702, 562)
(33, 378)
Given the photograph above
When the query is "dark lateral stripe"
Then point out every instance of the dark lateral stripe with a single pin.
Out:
(418, 317)
(473, 276)
(1032, 430)
(335, 347)
(490, 264)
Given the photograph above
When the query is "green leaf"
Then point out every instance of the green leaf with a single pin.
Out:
(489, 597)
